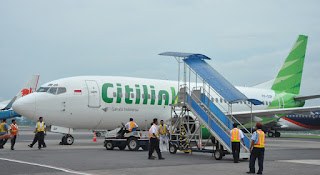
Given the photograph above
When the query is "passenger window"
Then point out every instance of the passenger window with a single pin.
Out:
(132, 95)
(149, 96)
(159, 97)
(53, 90)
(154, 96)
(138, 96)
(61, 90)
(114, 94)
(126, 95)
(220, 100)
(217, 100)
(120, 94)
(143, 96)
(43, 89)
(225, 101)
(164, 97)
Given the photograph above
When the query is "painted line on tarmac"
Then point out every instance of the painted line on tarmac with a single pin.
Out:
(310, 161)
(46, 166)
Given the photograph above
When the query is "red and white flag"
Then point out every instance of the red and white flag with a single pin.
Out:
(77, 92)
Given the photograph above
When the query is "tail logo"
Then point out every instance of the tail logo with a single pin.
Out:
(26, 91)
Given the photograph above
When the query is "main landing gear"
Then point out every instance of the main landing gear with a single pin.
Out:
(274, 134)
(67, 140)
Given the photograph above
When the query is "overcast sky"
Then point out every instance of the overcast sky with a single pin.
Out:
(248, 40)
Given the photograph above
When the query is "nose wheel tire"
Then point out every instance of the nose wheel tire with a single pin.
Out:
(67, 140)
(277, 134)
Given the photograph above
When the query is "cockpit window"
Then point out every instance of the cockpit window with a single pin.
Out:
(43, 89)
(61, 90)
(53, 90)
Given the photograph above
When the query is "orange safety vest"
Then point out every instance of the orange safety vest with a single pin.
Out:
(163, 130)
(235, 135)
(149, 133)
(131, 126)
(261, 141)
(14, 129)
(40, 128)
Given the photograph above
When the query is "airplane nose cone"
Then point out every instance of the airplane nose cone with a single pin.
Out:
(25, 106)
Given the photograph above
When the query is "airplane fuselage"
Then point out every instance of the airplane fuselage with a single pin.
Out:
(103, 102)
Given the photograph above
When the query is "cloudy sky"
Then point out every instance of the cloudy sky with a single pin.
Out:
(248, 40)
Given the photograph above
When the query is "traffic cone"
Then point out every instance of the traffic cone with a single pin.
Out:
(94, 137)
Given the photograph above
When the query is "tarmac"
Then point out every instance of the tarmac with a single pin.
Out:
(283, 156)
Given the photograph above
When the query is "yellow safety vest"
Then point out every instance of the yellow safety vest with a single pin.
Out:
(14, 129)
(40, 128)
(235, 135)
(131, 126)
(261, 141)
(163, 130)
(2, 128)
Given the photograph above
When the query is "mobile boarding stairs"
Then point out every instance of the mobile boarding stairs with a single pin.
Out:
(199, 99)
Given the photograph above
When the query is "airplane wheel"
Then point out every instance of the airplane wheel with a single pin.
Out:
(133, 144)
(270, 134)
(218, 154)
(277, 134)
(68, 140)
(109, 145)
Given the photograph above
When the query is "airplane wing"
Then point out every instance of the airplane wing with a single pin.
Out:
(272, 112)
(29, 87)
(309, 97)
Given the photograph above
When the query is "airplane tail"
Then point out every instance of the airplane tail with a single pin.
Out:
(289, 77)
(28, 88)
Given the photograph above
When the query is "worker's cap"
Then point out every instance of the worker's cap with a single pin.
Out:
(258, 124)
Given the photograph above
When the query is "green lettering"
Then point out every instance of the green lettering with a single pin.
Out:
(119, 92)
(138, 95)
(153, 95)
(161, 93)
(145, 92)
(174, 95)
(105, 97)
(128, 91)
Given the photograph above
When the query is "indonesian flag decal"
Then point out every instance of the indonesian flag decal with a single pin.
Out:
(77, 92)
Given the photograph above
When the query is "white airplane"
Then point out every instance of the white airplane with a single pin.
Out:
(6, 106)
(103, 102)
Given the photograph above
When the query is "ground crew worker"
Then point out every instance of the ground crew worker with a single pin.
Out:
(3, 131)
(41, 130)
(257, 143)
(149, 140)
(172, 131)
(163, 130)
(236, 135)
(13, 132)
(131, 125)
(35, 139)
(154, 140)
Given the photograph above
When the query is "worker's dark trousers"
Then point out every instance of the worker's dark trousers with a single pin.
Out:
(256, 153)
(154, 145)
(35, 139)
(13, 141)
(40, 139)
(235, 151)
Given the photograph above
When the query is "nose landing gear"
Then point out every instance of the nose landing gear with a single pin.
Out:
(67, 140)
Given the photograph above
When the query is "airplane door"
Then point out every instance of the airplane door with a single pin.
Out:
(93, 94)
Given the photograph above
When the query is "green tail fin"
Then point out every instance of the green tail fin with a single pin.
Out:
(289, 77)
